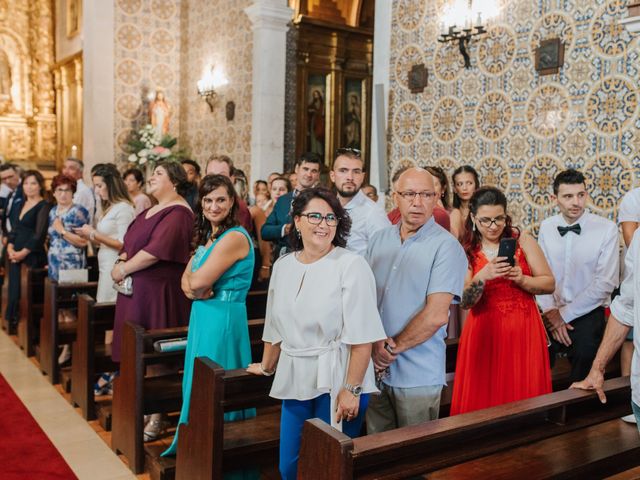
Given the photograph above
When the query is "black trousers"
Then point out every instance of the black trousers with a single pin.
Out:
(585, 339)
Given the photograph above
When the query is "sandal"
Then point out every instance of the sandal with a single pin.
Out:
(155, 428)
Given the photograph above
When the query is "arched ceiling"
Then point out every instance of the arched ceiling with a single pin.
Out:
(354, 13)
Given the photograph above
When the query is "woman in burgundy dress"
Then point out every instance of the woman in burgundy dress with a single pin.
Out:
(155, 253)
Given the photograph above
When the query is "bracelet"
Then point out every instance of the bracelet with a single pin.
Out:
(92, 235)
(63, 233)
(266, 267)
(266, 373)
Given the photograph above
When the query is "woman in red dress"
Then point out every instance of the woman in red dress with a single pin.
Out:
(503, 353)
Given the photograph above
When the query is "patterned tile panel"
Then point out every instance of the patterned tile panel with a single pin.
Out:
(517, 128)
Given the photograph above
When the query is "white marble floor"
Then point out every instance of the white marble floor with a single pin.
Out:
(87, 455)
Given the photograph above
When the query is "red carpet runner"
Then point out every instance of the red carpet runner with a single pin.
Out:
(25, 451)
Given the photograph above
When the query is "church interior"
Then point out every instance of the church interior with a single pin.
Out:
(519, 90)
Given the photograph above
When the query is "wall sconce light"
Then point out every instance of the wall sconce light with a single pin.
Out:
(209, 85)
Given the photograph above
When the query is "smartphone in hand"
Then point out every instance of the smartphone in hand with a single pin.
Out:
(508, 249)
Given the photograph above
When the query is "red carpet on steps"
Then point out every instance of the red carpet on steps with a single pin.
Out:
(25, 451)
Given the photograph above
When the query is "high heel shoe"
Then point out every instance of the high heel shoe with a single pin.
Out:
(104, 385)
(155, 428)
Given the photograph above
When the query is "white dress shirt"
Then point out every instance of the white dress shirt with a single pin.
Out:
(84, 196)
(626, 308)
(585, 266)
(629, 210)
(367, 217)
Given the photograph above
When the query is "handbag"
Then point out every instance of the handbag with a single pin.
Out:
(125, 286)
(73, 275)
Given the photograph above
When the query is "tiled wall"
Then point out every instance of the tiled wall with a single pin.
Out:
(518, 128)
(147, 57)
(217, 32)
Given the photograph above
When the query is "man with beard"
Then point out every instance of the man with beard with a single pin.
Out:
(367, 217)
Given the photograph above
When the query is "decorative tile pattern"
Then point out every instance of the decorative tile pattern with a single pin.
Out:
(516, 128)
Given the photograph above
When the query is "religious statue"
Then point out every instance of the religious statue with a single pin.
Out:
(160, 113)
(353, 122)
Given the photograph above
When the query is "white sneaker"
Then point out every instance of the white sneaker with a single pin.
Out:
(629, 418)
(65, 354)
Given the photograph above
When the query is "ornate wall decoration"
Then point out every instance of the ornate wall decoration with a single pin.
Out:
(128, 71)
(407, 123)
(163, 9)
(410, 13)
(609, 177)
(448, 62)
(162, 41)
(537, 180)
(129, 37)
(586, 116)
(496, 50)
(447, 119)
(607, 35)
(612, 105)
(162, 75)
(493, 115)
(130, 7)
(548, 110)
(411, 55)
(494, 173)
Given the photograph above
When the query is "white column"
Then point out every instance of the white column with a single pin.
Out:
(381, 73)
(98, 140)
(269, 19)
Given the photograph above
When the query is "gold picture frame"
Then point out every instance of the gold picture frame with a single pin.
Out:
(73, 18)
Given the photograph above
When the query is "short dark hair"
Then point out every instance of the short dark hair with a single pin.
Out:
(352, 153)
(222, 159)
(77, 160)
(137, 174)
(64, 180)
(309, 157)
(568, 177)
(9, 166)
(193, 163)
(323, 193)
(463, 169)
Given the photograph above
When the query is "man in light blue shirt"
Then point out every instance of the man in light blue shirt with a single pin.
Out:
(419, 269)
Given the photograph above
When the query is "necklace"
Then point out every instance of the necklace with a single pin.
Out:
(490, 253)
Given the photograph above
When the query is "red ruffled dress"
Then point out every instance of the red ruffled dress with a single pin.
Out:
(503, 355)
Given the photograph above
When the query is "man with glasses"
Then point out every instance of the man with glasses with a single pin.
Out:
(85, 196)
(278, 224)
(419, 270)
(367, 217)
(583, 252)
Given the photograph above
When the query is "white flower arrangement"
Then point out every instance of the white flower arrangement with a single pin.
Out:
(150, 147)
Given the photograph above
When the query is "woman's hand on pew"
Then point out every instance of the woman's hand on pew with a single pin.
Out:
(347, 406)
(594, 381)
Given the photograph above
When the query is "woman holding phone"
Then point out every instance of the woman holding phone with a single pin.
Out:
(503, 353)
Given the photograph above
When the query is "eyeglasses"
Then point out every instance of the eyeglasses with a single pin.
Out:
(486, 222)
(316, 218)
(410, 196)
(348, 151)
(62, 190)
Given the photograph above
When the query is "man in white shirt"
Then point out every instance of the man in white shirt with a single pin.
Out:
(583, 253)
(74, 168)
(625, 313)
(366, 216)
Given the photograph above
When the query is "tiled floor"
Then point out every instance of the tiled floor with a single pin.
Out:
(85, 452)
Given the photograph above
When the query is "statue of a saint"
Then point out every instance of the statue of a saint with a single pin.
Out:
(160, 113)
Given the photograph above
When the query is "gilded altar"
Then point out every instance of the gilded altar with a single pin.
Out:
(27, 99)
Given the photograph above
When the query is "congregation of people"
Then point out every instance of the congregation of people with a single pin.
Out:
(360, 301)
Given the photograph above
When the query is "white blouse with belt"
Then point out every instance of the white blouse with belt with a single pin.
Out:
(315, 312)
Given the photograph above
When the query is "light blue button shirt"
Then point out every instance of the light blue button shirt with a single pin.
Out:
(431, 261)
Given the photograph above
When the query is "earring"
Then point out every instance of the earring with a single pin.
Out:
(474, 226)
(298, 233)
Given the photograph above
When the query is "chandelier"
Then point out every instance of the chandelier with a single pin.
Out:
(462, 20)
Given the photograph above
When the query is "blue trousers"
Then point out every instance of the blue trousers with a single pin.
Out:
(294, 414)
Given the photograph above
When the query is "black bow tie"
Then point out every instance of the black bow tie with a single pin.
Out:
(573, 228)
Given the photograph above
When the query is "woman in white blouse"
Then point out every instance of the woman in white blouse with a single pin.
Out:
(321, 319)
(117, 214)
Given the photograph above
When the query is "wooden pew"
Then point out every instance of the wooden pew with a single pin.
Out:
(207, 445)
(442, 444)
(31, 307)
(256, 304)
(90, 354)
(135, 394)
(4, 322)
(53, 334)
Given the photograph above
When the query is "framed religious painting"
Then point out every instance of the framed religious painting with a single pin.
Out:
(73, 17)
(316, 116)
(354, 114)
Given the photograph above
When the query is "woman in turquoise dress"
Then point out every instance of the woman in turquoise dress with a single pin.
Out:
(217, 279)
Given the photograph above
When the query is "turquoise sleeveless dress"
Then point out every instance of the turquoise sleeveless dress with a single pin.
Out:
(218, 327)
